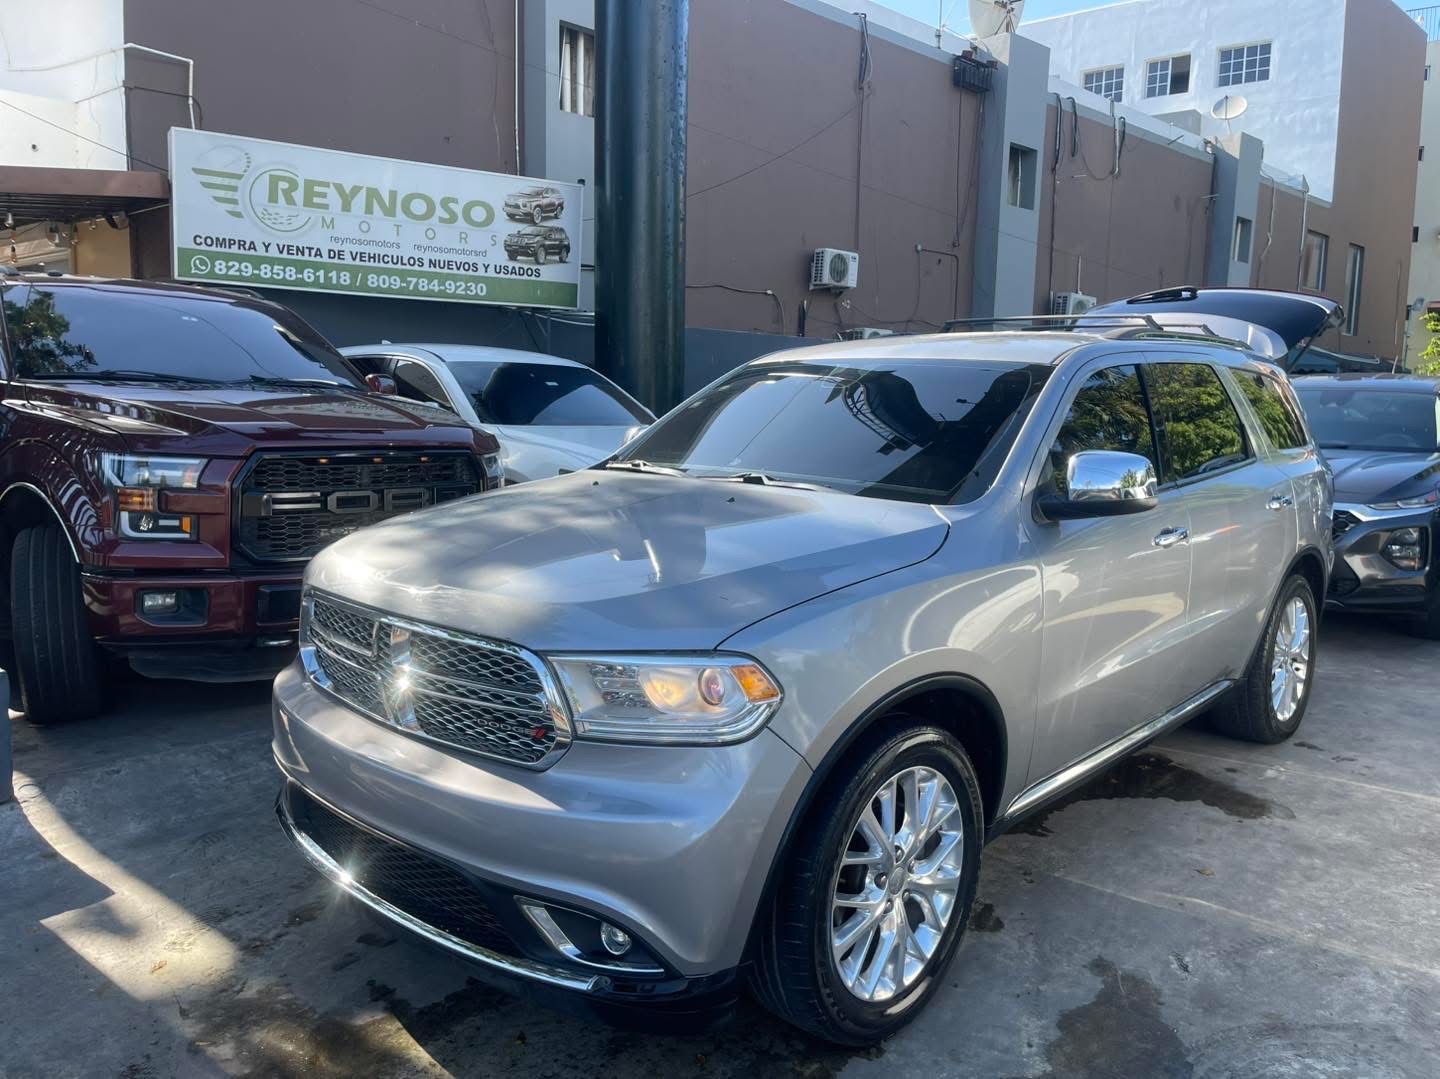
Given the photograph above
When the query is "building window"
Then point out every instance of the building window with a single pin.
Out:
(577, 70)
(1354, 278)
(1245, 63)
(1108, 82)
(1168, 76)
(1022, 177)
(1243, 229)
(1313, 259)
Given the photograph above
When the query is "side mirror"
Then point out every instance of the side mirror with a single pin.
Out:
(382, 384)
(1102, 483)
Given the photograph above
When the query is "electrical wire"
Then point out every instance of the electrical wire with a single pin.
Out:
(779, 306)
(199, 112)
(82, 138)
(756, 168)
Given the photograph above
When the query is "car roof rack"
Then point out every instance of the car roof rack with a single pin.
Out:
(1105, 324)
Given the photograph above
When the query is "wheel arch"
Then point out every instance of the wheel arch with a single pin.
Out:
(1312, 565)
(23, 505)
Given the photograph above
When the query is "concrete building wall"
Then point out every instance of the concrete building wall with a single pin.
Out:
(1425, 252)
(1295, 111)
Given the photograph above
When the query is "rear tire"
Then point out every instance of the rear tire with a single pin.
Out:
(1270, 700)
(56, 663)
(798, 974)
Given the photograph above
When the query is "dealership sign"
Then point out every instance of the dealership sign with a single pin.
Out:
(274, 215)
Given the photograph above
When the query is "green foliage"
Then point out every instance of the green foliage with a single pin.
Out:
(1429, 363)
(37, 337)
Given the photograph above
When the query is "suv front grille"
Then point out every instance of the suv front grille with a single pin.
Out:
(291, 505)
(1342, 521)
(422, 886)
(485, 697)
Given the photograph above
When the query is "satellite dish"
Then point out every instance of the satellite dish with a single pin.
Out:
(990, 17)
(1229, 107)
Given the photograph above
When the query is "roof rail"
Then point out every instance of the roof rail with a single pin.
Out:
(1106, 324)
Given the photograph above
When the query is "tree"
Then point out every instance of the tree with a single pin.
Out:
(1430, 358)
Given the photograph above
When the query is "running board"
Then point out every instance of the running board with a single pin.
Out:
(1075, 774)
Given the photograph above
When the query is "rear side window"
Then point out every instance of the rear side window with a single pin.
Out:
(1108, 414)
(1198, 426)
(416, 382)
(1274, 410)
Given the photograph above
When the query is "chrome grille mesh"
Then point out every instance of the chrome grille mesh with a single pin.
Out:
(485, 697)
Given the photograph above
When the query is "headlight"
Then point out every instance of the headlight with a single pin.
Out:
(493, 465)
(1419, 502)
(667, 699)
(137, 480)
(1405, 548)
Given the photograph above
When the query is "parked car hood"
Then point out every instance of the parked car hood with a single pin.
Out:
(151, 415)
(534, 453)
(623, 561)
(1366, 476)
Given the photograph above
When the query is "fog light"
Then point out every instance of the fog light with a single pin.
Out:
(159, 602)
(615, 939)
(1405, 548)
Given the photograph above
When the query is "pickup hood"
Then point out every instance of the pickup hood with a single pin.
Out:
(1366, 476)
(230, 420)
(609, 560)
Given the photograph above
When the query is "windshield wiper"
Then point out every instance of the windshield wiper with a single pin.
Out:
(281, 380)
(123, 374)
(764, 479)
(636, 465)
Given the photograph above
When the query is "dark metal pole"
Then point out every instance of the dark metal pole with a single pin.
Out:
(642, 56)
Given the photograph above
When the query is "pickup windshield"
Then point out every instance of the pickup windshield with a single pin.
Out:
(914, 430)
(75, 331)
(1365, 418)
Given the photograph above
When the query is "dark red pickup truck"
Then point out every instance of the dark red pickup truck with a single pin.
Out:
(170, 458)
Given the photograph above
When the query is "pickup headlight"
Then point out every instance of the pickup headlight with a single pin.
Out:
(136, 481)
(667, 699)
(1429, 499)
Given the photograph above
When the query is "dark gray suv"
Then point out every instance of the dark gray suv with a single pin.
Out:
(742, 706)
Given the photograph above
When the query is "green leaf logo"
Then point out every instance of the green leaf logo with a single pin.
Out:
(220, 171)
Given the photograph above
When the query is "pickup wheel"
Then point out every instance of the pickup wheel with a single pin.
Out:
(876, 891)
(57, 663)
(1269, 702)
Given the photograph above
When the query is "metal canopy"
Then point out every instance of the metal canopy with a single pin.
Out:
(30, 195)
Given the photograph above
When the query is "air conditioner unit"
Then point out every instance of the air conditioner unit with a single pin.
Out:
(865, 333)
(834, 269)
(1070, 303)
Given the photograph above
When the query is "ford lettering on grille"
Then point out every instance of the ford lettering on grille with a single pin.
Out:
(485, 697)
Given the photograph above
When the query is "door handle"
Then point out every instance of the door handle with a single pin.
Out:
(1171, 536)
(1279, 502)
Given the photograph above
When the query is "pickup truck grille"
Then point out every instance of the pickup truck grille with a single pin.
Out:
(485, 697)
(291, 505)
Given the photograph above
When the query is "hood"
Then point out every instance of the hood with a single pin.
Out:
(1368, 476)
(535, 453)
(623, 561)
(153, 413)
(1276, 325)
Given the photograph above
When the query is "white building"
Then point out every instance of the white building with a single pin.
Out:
(1180, 59)
(1425, 252)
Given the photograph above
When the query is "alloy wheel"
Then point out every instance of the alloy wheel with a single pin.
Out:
(896, 888)
(1290, 663)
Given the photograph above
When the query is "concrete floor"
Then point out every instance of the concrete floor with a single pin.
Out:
(1210, 909)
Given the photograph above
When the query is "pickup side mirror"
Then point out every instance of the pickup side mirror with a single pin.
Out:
(382, 384)
(1102, 483)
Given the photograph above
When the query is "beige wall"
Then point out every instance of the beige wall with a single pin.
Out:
(1116, 236)
(101, 251)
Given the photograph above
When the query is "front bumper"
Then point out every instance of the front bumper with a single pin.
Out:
(228, 606)
(671, 844)
(1364, 580)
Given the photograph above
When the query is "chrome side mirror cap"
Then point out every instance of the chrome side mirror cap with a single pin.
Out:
(1103, 483)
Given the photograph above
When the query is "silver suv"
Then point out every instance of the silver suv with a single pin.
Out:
(741, 706)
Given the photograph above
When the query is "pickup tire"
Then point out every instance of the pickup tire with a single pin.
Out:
(1249, 711)
(796, 973)
(57, 664)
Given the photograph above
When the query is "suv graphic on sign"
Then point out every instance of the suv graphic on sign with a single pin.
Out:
(534, 204)
(538, 242)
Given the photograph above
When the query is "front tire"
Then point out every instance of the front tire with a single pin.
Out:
(564, 254)
(537, 215)
(1270, 700)
(56, 662)
(540, 256)
(877, 889)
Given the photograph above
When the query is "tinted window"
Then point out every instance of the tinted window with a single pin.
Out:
(415, 381)
(1369, 418)
(1273, 408)
(1197, 423)
(86, 332)
(1108, 414)
(545, 395)
(922, 431)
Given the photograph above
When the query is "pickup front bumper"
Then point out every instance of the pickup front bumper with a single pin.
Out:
(1366, 580)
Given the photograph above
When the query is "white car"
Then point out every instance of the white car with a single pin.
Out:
(551, 415)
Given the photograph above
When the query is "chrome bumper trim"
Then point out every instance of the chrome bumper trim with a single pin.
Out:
(505, 964)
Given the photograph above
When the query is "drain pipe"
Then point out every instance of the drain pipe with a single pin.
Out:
(1304, 222)
(189, 68)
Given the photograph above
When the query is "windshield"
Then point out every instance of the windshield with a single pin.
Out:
(545, 395)
(1365, 418)
(918, 430)
(75, 331)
